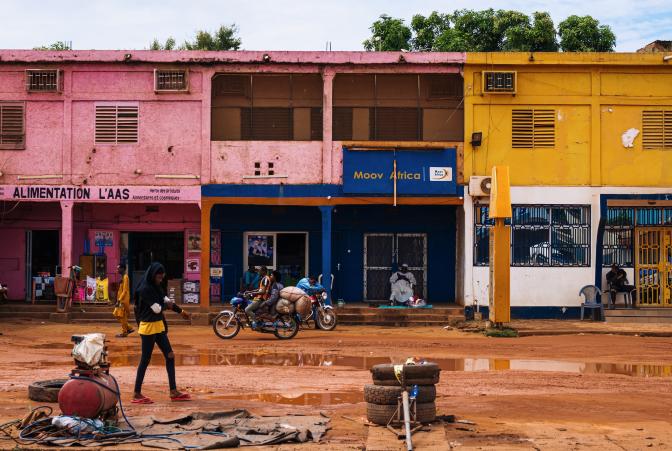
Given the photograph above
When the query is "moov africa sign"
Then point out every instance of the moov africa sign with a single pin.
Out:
(418, 172)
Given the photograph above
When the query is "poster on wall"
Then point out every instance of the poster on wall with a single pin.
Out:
(260, 250)
(103, 238)
(193, 265)
(193, 241)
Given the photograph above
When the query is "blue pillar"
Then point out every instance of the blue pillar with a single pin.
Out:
(326, 247)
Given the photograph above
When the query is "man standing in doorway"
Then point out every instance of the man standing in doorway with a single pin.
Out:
(250, 279)
(403, 285)
(123, 308)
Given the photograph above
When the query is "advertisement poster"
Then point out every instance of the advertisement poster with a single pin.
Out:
(193, 265)
(193, 241)
(260, 250)
(103, 238)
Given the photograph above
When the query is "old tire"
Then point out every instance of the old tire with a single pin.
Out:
(382, 413)
(386, 371)
(409, 382)
(46, 391)
(385, 395)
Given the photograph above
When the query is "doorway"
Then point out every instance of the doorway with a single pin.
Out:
(42, 259)
(286, 252)
(145, 248)
(385, 251)
(653, 267)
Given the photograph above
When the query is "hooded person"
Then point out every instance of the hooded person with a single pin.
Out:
(150, 303)
(403, 285)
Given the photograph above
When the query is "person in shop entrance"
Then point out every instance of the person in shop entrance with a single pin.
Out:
(151, 302)
(618, 283)
(250, 279)
(403, 285)
(122, 310)
(261, 295)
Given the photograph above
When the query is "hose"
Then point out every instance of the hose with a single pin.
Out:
(116, 393)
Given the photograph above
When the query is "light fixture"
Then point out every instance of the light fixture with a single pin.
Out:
(127, 56)
(667, 58)
(266, 58)
(138, 172)
(39, 177)
(476, 139)
(177, 176)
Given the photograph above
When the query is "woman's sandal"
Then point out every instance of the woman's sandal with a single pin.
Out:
(143, 400)
(181, 397)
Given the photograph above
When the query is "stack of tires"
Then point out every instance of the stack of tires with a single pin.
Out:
(382, 396)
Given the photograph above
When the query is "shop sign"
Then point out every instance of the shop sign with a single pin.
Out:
(168, 194)
(103, 238)
(419, 172)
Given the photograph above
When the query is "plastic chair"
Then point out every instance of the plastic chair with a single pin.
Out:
(592, 299)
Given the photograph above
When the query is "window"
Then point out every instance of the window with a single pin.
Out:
(541, 235)
(172, 80)
(657, 129)
(499, 82)
(267, 107)
(533, 129)
(116, 124)
(618, 237)
(398, 107)
(12, 126)
(43, 80)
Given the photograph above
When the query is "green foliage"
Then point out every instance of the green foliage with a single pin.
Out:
(58, 45)
(489, 30)
(504, 332)
(388, 34)
(168, 45)
(225, 38)
(585, 34)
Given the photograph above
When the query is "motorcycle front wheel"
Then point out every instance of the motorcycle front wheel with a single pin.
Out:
(288, 328)
(326, 318)
(226, 325)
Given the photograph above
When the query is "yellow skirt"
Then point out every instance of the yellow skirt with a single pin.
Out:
(151, 328)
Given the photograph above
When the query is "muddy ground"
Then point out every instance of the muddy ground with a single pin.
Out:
(583, 391)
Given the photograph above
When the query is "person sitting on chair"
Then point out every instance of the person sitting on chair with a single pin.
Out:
(3, 292)
(403, 285)
(618, 283)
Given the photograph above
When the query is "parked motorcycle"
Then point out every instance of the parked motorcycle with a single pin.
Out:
(321, 313)
(228, 323)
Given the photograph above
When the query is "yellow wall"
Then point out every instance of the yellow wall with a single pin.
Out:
(596, 98)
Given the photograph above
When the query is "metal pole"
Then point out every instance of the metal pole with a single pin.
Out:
(394, 175)
(407, 420)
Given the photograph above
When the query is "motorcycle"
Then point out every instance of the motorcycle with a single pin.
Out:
(321, 313)
(228, 323)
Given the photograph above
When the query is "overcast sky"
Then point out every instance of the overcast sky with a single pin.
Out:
(284, 25)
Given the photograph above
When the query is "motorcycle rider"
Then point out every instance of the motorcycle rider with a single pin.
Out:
(268, 306)
(260, 295)
(310, 286)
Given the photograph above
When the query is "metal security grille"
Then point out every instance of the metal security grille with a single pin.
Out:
(342, 123)
(618, 237)
(170, 80)
(541, 235)
(500, 82)
(398, 124)
(12, 125)
(532, 129)
(653, 268)
(117, 124)
(43, 80)
(266, 124)
(657, 129)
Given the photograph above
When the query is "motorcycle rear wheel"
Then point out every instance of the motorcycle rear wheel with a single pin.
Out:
(325, 318)
(226, 325)
(289, 331)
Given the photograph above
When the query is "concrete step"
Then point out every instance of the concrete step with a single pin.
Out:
(640, 319)
(113, 321)
(641, 312)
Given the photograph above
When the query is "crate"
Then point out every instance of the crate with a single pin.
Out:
(175, 290)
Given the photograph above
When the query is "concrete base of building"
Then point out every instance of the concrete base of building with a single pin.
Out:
(200, 319)
(59, 317)
(531, 312)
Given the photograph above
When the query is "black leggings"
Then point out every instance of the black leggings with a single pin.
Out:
(147, 347)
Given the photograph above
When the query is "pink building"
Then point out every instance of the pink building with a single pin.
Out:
(105, 152)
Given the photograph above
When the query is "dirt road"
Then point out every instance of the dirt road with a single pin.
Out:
(550, 392)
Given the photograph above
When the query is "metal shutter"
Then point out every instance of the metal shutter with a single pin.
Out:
(12, 126)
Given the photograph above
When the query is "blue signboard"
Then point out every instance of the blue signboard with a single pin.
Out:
(419, 172)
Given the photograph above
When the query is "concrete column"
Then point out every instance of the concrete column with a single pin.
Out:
(206, 125)
(326, 247)
(206, 209)
(327, 132)
(66, 237)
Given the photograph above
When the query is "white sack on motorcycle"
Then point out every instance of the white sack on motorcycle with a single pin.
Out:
(292, 294)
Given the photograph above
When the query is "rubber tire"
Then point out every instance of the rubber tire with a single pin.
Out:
(46, 391)
(381, 413)
(383, 395)
(225, 337)
(295, 330)
(385, 371)
(409, 382)
(319, 324)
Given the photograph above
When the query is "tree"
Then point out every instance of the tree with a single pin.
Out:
(427, 29)
(585, 34)
(225, 38)
(388, 34)
(169, 44)
(58, 45)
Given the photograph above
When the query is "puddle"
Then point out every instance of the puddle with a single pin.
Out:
(67, 346)
(303, 399)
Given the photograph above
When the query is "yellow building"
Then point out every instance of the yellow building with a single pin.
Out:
(588, 139)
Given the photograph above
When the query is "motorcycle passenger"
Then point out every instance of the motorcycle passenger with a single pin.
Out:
(310, 286)
(260, 295)
(276, 285)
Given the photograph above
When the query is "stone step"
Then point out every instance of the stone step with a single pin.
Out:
(640, 319)
(112, 321)
(641, 312)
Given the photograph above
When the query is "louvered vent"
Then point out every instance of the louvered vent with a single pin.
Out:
(533, 129)
(12, 126)
(657, 129)
(43, 80)
(499, 82)
(170, 80)
(116, 124)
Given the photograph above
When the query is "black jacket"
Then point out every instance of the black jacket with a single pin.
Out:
(148, 293)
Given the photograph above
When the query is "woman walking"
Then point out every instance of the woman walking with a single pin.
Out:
(150, 303)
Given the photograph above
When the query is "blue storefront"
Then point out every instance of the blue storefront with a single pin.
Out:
(359, 232)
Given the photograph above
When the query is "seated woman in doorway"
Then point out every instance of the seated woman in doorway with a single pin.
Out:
(151, 302)
(403, 285)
